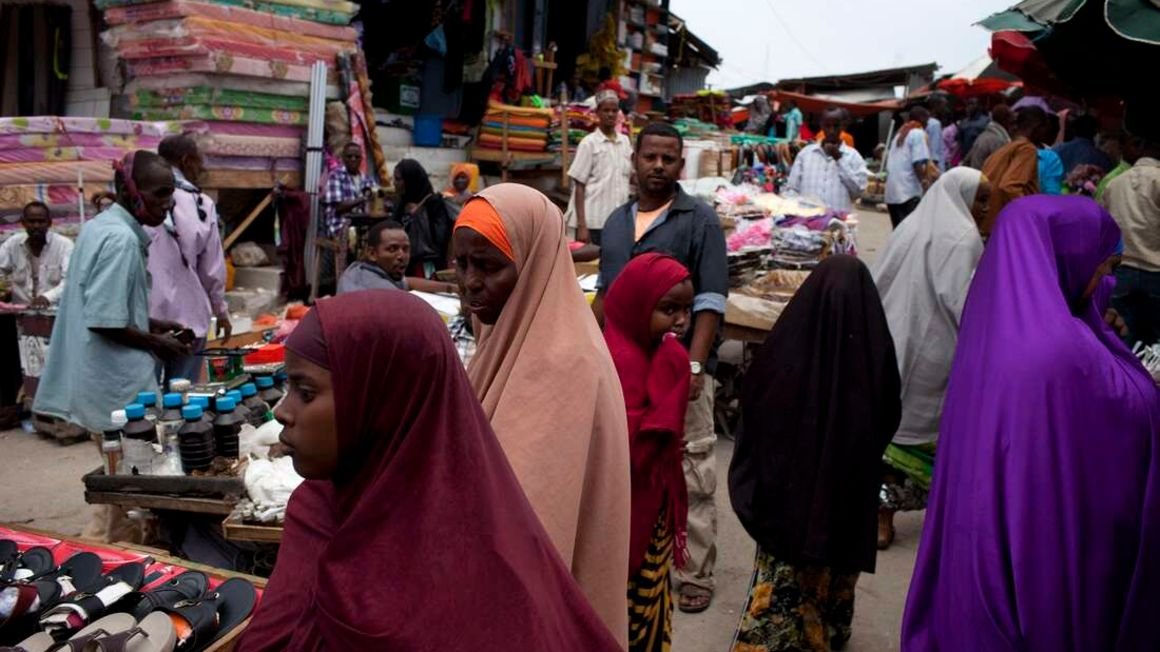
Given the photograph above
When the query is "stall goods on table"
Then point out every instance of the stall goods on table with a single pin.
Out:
(527, 128)
(104, 590)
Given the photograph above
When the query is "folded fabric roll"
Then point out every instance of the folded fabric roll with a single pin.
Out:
(14, 197)
(38, 154)
(54, 172)
(230, 145)
(516, 129)
(516, 121)
(218, 112)
(222, 49)
(223, 63)
(252, 129)
(531, 136)
(491, 141)
(170, 97)
(78, 140)
(237, 15)
(171, 37)
(238, 83)
(340, 14)
(78, 125)
(252, 163)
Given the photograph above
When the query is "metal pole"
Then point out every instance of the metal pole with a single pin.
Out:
(313, 175)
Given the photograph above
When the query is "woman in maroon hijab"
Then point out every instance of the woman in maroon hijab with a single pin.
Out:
(411, 531)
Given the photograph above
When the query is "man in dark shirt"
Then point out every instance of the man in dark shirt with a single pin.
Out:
(1080, 148)
(665, 218)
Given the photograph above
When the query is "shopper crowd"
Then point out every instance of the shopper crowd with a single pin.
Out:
(552, 493)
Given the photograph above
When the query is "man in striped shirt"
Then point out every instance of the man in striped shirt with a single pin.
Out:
(830, 170)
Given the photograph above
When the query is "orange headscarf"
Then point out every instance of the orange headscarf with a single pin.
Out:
(547, 383)
(480, 216)
(472, 172)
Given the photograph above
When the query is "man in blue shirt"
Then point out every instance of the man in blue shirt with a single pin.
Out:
(105, 349)
(665, 218)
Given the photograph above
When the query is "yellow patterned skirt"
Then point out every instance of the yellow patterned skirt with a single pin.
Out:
(650, 596)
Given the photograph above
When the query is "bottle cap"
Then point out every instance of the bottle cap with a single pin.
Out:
(191, 412)
(248, 390)
(236, 395)
(134, 411)
(180, 385)
(281, 376)
(119, 418)
(200, 401)
(148, 399)
(172, 400)
(264, 382)
(226, 404)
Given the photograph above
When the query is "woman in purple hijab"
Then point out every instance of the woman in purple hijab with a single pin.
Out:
(1043, 528)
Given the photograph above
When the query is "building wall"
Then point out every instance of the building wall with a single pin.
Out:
(84, 97)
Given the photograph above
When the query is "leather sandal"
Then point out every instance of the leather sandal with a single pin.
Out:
(86, 606)
(38, 642)
(24, 565)
(187, 587)
(38, 593)
(107, 626)
(201, 622)
(155, 633)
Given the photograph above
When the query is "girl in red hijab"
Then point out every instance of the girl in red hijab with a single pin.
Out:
(646, 312)
(411, 531)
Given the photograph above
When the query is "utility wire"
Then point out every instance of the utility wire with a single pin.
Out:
(785, 27)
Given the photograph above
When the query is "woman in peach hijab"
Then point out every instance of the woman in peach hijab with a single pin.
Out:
(547, 383)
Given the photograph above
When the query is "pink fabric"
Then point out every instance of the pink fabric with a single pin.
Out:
(37, 155)
(251, 129)
(252, 163)
(54, 172)
(53, 140)
(56, 195)
(222, 63)
(179, 8)
(59, 125)
(189, 271)
(222, 48)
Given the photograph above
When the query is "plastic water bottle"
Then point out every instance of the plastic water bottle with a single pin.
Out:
(111, 443)
(138, 440)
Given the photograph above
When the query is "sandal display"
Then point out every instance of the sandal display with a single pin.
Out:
(77, 611)
(186, 587)
(201, 622)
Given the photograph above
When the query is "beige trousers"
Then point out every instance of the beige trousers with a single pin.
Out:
(701, 479)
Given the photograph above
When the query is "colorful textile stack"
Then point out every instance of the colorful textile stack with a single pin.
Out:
(43, 158)
(241, 68)
(581, 122)
(713, 107)
(527, 128)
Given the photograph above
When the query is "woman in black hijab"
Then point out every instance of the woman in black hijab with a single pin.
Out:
(820, 404)
(427, 217)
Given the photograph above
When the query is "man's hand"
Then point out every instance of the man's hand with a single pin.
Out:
(224, 328)
(696, 386)
(834, 150)
(582, 234)
(164, 326)
(168, 347)
(39, 303)
(1113, 318)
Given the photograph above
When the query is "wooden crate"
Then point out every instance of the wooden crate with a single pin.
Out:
(180, 493)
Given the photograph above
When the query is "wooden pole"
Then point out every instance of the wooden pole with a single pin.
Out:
(564, 126)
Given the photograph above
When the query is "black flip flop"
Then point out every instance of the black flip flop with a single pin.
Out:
(186, 587)
(8, 550)
(34, 562)
(216, 614)
(89, 603)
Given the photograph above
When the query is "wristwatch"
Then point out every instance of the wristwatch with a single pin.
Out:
(697, 368)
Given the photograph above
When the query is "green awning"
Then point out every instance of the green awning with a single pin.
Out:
(1032, 15)
(1136, 20)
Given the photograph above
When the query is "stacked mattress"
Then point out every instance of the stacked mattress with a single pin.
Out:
(238, 69)
(44, 159)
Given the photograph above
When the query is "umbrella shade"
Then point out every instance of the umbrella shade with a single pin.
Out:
(1085, 52)
(982, 77)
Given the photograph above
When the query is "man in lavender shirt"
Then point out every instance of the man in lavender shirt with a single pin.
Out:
(186, 259)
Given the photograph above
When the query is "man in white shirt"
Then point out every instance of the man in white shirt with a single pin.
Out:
(934, 127)
(36, 261)
(830, 170)
(906, 166)
(600, 172)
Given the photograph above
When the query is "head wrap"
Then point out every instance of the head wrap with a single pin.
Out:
(607, 95)
(480, 216)
(426, 507)
(655, 380)
(571, 451)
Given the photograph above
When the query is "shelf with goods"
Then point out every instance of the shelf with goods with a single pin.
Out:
(644, 36)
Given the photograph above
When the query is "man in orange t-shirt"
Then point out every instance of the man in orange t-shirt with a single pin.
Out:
(1014, 168)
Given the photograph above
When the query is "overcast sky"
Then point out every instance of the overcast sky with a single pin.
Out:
(767, 40)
